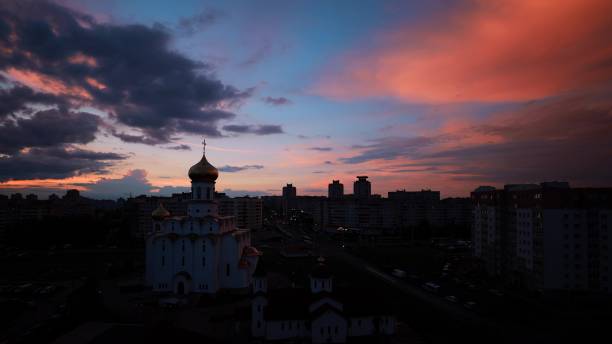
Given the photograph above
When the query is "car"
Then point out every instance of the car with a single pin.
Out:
(399, 273)
(431, 287)
(48, 290)
(451, 298)
(469, 305)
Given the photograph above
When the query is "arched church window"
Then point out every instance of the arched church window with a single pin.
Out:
(207, 193)
(183, 245)
(198, 192)
(183, 261)
(163, 245)
(163, 261)
(203, 261)
(227, 269)
(157, 227)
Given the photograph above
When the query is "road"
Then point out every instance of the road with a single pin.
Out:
(459, 315)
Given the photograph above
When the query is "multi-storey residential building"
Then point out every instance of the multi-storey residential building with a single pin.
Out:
(362, 188)
(247, 211)
(335, 190)
(546, 237)
(413, 208)
(289, 199)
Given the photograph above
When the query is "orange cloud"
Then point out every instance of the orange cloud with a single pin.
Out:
(508, 50)
(83, 59)
(95, 83)
(46, 83)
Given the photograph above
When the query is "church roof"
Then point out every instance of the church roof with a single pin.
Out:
(251, 251)
(160, 213)
(203, 171)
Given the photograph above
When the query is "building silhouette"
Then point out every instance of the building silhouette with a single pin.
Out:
(545, 237)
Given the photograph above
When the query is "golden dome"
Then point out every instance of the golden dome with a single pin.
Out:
(203, 171)
(160, 213)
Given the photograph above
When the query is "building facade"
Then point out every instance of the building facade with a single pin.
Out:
(199, 252)
(247, 211)
(362, 188)
(545, 237)
(335, 190)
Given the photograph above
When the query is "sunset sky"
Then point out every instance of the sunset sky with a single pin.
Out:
(115, 97)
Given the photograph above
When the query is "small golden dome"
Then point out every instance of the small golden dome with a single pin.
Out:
(160, 213)
(203, 171)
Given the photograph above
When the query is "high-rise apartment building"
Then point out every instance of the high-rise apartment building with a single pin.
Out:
(545, 237)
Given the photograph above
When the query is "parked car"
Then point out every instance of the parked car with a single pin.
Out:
(469, 305)
(431, 287)
(451, 298)
(399, 273)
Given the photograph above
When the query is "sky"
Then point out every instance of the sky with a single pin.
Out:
(114, 98)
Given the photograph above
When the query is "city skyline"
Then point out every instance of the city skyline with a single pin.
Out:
(114, 98)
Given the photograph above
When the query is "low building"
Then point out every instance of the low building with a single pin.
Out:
(319, 313)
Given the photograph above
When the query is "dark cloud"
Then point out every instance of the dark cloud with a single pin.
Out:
(562, 138)
(321, 149)
(327, 162)
(390, 148)
(47, 128)
(133, 183)
(128, 70)
(56, 162)
(21, 98)
(180, 147)
(199, 22)
(276, 101)
(259, 54)
(148, 140)
(306, 137)
(266, 129)
(565, 138)
(230, 169)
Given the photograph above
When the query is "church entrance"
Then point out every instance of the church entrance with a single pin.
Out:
(182, 283)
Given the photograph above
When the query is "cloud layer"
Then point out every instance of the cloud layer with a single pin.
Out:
(230, 169)
(266, 129)
(483, 51)
(127, 70)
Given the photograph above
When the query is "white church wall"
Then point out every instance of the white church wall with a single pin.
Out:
(329, 327)
(361, 326)
(284, 329)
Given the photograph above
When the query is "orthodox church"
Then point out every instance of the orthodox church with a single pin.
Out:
(201, 252)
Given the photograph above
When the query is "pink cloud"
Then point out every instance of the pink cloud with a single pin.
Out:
(486, 51)
(47, 84)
